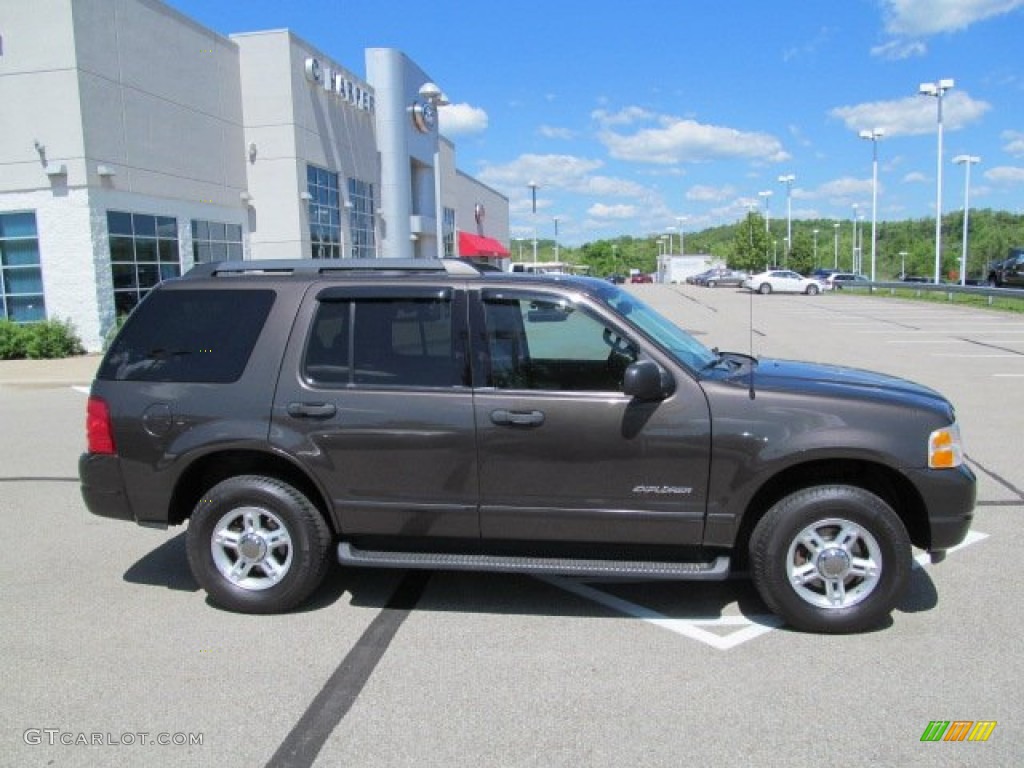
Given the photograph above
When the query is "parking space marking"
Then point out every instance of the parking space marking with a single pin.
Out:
(712, 631)
(83, 390)
(696, 629)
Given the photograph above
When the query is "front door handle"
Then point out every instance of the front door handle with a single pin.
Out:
(505, 418)
(311, 410)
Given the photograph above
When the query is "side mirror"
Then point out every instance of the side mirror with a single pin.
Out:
(646, 380)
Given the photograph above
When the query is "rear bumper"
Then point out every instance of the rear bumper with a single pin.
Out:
(103, 486)
(949, 496)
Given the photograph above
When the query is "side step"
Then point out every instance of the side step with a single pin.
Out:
(716, 570)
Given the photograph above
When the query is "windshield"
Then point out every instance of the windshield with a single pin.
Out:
(681, 345)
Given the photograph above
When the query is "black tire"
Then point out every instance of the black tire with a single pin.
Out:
(812, 290)
(764, 289)
(712, 284)
(826, 591)
(257, 545)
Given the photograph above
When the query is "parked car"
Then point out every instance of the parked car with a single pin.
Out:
(782, 281)
(835, 281)
(722, 277)
(415, 413)
(616, 279)
(914, 279)
(695, 279)
(1009, 272)
(822, 274)
(641, 277)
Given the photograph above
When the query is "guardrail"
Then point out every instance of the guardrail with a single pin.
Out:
(950, 289)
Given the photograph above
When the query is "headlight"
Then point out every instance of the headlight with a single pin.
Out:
(945, 450)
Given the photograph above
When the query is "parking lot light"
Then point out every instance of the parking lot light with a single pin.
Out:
(967, 161)
(938, 89)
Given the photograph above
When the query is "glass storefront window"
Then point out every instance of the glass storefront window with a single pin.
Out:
(21, 275)
(324, 213)
(360, 219)
(143, 252)
(215, 241)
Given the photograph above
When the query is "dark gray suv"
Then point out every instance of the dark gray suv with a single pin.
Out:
(423, 414)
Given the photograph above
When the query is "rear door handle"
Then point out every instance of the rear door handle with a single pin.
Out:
(505, 418)
(311, 410)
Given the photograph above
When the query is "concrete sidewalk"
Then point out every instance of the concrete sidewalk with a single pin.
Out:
(67, 371)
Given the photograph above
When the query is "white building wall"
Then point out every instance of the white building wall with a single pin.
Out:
(147, 111)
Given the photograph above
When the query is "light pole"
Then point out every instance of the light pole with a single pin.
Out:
(556, 237)
(967, 161)
(533, 202)
(766, 194)
(815, 233)
(682, 241)
(835, 229)
(435, 98)
(873, 136)
(520, 241)
(670, 230)
(788, 180)
(937, 89)
(903, 264)
(853, 247)
(615, 258)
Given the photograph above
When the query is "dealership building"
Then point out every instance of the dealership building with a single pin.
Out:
(134, 143)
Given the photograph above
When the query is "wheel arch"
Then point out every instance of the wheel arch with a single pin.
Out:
(885, 482)
(208, 470)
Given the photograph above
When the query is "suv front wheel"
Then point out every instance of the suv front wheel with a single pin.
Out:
(257, 545)
(831, 559)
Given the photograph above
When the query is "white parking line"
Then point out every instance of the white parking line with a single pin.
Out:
(707, 630)
(83, 390)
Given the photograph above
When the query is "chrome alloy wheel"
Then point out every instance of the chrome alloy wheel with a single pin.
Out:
(834, 563)
(251, 548)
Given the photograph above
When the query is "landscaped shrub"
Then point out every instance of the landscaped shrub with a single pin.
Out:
(44, 340)
(13, 340)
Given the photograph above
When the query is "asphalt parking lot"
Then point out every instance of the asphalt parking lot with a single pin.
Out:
(109, 647)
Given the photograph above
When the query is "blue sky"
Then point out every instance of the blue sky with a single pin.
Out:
(633, 116)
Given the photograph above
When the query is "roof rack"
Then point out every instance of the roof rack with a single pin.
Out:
(310, 267)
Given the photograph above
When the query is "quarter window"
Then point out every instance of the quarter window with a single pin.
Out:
(21, 276)
(143, 252)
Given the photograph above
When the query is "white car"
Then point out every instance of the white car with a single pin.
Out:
(783, 281)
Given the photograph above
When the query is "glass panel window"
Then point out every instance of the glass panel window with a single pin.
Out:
(324, 213)
(216, 241)
(361, 219)
(21, 275)
(142, 256)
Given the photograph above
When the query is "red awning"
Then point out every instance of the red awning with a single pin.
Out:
(478, 245)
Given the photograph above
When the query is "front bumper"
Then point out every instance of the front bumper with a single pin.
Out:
(949, 496)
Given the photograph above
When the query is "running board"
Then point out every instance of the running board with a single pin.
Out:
(716, 570)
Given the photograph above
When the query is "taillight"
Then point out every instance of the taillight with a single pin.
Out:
(98, 429)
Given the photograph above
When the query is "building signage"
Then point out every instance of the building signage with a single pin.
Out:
(335, 81)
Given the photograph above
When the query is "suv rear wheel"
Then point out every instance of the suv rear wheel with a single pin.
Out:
(257, 545)
(831, 559)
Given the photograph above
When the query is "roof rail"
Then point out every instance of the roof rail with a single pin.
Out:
(311, 267)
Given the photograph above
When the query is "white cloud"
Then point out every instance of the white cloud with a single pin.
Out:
(1014, 143)
(616, 212)
(562, 172)
(554, 132)
(461, 120)
(627, 116)
(898, 50)
(921, 18)
(912, 115)
(677, 140)
(1006, 174)
(915, 177)
(706, 194)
